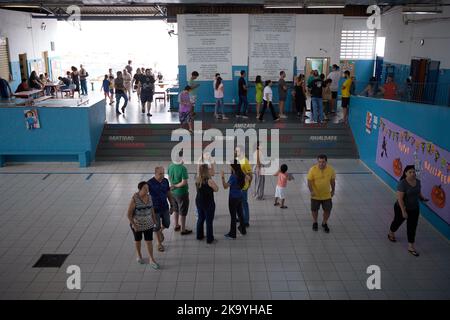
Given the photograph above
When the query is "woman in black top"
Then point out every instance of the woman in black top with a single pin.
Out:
(407, 207)
(33, 81)
(75, 79)
(205, 203)
(300, 96)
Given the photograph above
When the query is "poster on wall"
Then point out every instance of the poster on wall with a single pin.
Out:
(208, 42)
(348, 65)
(397, 148)
(271, 47)
(369, 120)
(32, 119)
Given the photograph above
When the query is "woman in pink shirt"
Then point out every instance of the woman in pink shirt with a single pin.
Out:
(280, 191)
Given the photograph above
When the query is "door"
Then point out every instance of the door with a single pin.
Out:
(431, 79)
(418, 78)
(322, 65)
(46, 66)
(23, 61)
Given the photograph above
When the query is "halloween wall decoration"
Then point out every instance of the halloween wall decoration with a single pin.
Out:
(431, 161)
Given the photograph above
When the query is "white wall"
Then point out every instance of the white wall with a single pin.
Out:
(315, 32)
(403, 41)
(25, 35)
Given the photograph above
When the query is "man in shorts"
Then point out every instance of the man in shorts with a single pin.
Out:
(160, 193)
(321, 183)
(335, 76)
(178, 177)
(147, 82)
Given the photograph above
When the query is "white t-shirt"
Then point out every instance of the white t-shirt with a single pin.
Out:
(219, 92)
(335, 76)
(267, 91)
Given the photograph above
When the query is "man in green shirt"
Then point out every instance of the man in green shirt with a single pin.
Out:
(178, 177)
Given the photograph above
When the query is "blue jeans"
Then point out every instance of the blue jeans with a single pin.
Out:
(242, 101)
(208, 215)
(118, 96)
(317, 107)
(245, 209)
(84, 89)
(219, 106)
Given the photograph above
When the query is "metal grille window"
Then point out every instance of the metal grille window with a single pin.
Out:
(357, 44)
(4, 59)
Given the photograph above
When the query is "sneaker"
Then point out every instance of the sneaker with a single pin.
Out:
(212, 242)
(154, 265)
(283, 116)
(143, 110)
(140, 260)
(325, 228)
(315, 226)
(227, 236)
(216, 116)
(149, 114)
(245, 116)
(224, 117)
(277, 119)
(242, 230)
(118, 112)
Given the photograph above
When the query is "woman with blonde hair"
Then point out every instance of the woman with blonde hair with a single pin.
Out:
(204, 201)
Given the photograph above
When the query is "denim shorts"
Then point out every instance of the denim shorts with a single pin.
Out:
(164, 217)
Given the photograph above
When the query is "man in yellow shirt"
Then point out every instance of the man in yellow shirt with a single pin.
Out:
(346, 95)
(321, 184)
(247, 169)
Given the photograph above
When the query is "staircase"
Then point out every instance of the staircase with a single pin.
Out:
(147, 142)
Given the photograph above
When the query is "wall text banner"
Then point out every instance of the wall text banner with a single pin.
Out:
(272, 44)
(208, 45)
(397, 147)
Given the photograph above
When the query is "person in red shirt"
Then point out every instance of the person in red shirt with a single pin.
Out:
(389, 89)
(23, 86)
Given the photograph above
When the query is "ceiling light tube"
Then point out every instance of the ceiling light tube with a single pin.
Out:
(326, 7)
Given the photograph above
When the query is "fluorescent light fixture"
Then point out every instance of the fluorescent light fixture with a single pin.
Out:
(283, 7)
(421, 11)
(19, 6)
(326, 7)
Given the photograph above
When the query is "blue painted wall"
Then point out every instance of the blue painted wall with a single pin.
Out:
(206, 91)
(363, 72)
(62, 129)
(427, 121)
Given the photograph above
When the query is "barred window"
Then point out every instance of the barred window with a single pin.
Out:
(357, 44)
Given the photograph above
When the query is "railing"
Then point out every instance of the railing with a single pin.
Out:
(429, 93)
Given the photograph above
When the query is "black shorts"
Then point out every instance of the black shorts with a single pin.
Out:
(334, 94)
(326, 205)
(148, 234)
(181, 204)
(146, 96)
(345, 102)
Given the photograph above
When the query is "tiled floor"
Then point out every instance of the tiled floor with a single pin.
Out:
(58, 208)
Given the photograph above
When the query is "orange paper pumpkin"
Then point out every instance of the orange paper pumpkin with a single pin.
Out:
(438, 196)
(398, 167)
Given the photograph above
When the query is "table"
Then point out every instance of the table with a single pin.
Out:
(55, 87)
(28, 94)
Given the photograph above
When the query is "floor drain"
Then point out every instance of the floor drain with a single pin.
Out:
(50, 261)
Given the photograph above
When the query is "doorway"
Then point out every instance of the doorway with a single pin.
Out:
(23, 61)
(322, 65)
(46, 66)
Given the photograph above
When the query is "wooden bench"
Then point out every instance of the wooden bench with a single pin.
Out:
(83, 156)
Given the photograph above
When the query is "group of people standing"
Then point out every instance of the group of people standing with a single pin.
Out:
(125, 83)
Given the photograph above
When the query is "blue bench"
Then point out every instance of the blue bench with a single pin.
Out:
(83, 156)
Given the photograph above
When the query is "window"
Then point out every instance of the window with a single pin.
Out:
(4, 59)
(357, 44)
(379, 49)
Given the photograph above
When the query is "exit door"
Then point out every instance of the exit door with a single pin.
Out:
(23, 61)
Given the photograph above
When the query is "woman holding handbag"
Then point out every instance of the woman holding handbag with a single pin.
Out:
(407, 207)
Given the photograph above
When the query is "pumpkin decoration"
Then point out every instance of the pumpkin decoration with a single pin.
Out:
(398, 167)
(438, 196)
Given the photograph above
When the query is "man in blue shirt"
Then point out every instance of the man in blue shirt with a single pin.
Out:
(160, 193)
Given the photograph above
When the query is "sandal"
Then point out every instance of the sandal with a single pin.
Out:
(391, 238)
(177, 228)
(162, 237)
(154, 265)
(414, 253)
(160, 248)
